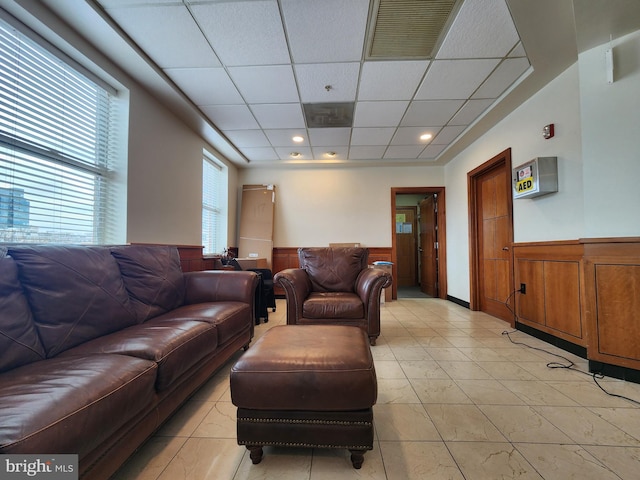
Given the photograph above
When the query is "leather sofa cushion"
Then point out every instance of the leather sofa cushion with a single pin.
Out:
(332, 305)
(72, 404)
(230, 318)
(19, 341)
(175, 345)
(153, 277)
(333, 269)
(306, 367)
(76, 293)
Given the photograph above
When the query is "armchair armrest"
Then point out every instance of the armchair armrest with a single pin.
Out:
(297, 286)
(218, 285)
(369, 285)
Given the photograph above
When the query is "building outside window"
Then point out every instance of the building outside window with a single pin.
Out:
(56, 145)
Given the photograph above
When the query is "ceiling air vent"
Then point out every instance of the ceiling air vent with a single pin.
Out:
(322, 115)
(400, 29)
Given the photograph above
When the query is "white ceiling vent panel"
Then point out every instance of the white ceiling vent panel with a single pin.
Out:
(407, 28)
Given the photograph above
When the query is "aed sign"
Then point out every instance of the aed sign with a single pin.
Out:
(525, 185)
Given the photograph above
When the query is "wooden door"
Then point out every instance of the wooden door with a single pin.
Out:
(406, 246)
(491, 237)
(428, 246)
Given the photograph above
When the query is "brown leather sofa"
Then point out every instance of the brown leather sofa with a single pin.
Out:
(334, 286)
(100, 345)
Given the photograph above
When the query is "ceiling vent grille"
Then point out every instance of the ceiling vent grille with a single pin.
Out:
(407, 28)
(327, 115)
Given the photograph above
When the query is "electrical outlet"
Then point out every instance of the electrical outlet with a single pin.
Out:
(523, 288)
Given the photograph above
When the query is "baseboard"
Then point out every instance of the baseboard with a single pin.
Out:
(558, 342)
(615, 371)
(457, 301)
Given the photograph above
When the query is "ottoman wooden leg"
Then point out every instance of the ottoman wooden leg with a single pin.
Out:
(256, 453)
(357, 457)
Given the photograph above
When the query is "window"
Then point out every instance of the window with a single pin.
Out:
(56, 144)
(213, 213)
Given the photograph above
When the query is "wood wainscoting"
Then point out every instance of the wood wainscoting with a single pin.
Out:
(612, 307)
(552, 302)
(287, 257)
(584, 291)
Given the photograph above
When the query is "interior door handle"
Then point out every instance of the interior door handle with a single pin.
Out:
(506, 249)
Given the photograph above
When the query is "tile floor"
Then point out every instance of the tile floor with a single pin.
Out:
(456, 400)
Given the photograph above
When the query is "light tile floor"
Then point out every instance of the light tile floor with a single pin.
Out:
(456, 400)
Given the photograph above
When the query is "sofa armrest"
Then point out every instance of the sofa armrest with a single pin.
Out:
(297, 286)
(220, 285)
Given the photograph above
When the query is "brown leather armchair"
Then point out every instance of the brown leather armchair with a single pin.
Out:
(334, 286)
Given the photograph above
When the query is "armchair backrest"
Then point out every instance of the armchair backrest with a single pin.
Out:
(333, 269)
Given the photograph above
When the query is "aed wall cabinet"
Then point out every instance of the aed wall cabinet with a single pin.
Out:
(536, 177)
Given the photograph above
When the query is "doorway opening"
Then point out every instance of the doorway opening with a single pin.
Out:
(418, 242)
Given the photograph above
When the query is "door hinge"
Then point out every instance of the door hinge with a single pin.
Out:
(435, 245)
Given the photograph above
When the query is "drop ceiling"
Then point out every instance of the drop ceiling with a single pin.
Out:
(247, 67)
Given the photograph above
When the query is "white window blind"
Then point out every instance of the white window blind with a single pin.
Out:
(56, 143)
(211, 206)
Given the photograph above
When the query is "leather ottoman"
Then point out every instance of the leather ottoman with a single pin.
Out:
(306, 386)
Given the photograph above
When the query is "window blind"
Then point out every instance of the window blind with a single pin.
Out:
(211, 208)
(56, 142)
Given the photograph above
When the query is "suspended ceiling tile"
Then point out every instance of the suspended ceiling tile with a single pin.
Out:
(285, 153)
(518, 51)
(469, 36)
(265, 84)
(231, 117)
(397, 80)
(247, 138)
(411, 135)
(284, 137)
(379, 114)
(432, 151)
(403, 151)
(326, 31)
(260, 154)
(333, 153)
(372, 136)
(366, 152)
(447, 135)
(244, 33)
(454, 79)
(470, 111)
(167, 34)
(430, 112)
(277, 116)
(502, 77)
(206, 86)
(321, 137)
(327, 82)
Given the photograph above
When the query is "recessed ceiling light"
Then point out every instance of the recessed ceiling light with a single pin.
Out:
(295, 154)
(298, 139)
(425, 136)
(330, 154)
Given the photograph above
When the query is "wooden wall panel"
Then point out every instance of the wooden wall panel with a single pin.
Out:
(530, 307)
(553, 299)
(562, 297)
(612, 286)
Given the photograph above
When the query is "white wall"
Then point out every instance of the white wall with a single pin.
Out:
(557, 216)
(318, 206)
(611, 139)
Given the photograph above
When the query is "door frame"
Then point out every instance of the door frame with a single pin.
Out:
(473, 176)
(442, 234)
